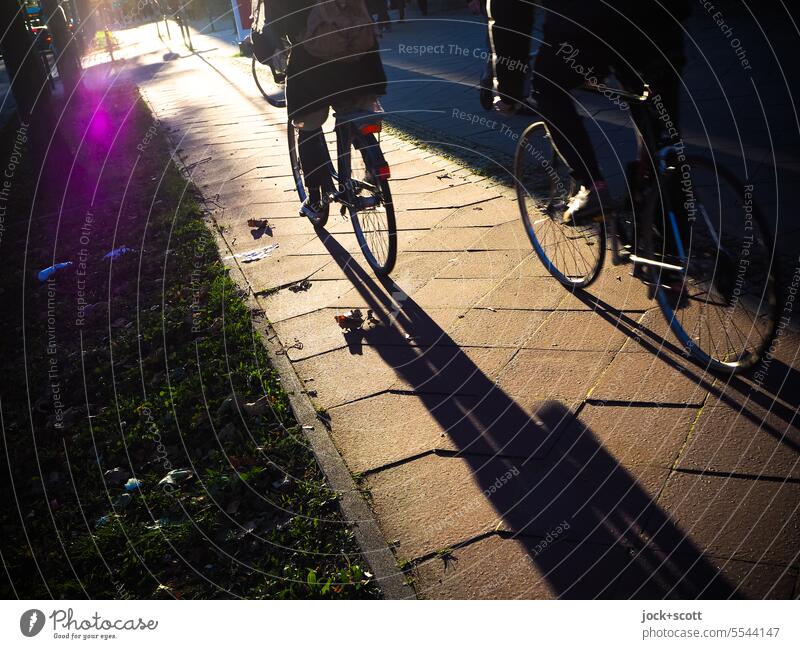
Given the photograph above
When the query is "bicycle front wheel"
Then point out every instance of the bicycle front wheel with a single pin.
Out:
(727, 311)
(372, 210)
(265, 82)
(573, 254)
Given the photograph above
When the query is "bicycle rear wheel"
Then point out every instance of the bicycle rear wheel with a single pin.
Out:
(573, 254)
(372, 211)
(727, 311)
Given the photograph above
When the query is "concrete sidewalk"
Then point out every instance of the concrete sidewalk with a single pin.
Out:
(513, 440)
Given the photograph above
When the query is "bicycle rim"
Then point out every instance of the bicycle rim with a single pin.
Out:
(573, 254)
(373, 217)
(727, 311)
(256, 67)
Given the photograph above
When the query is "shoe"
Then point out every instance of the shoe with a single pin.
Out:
(314, 208)
(526, 107)
(587, 204)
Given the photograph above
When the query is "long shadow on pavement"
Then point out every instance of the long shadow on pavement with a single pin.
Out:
(619, 544)
(782, 381)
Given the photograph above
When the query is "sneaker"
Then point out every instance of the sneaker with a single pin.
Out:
(586, 204)
(314, 208)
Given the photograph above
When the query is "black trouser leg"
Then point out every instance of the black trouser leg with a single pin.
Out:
(510, 26)
(557, 107)
(423, 6)
(315, 159)
(554, 80)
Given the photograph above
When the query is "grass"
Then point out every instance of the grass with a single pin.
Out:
(150, 381)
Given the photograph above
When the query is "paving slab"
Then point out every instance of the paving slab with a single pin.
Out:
(751, 520)
(743, 439)
(547, 374)
(643, 377)
(471, 496)
(448, 239)
(536, 293)
(579, 331)
(558, 569)
(494, 212)
(286, 304)
(496, 328)
(390, 427)
(482, 570)
(453, 293)
(641, 435)
(433, 503)
(494, 264)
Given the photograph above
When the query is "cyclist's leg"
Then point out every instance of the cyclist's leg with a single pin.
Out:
(510, 26)
(553, 83)
(661, 65)
(315, 158)
(558, 72)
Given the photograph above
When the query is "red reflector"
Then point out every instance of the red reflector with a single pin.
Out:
(369, 129)
(384, 173)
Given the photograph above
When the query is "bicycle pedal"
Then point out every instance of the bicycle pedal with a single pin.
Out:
(343, 210)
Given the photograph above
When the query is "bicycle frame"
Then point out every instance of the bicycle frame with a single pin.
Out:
(356, 129)
(644, 216)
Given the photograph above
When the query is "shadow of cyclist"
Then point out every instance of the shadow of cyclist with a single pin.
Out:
(781, 382)
(619, 542)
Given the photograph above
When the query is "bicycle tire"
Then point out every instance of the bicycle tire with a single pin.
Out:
(376, 231)
(254, 69)
(546, 223)
(712, 359)
(275, 99)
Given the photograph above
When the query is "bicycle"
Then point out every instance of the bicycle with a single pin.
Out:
(270, 75)
(363, 186)
(689, 228)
